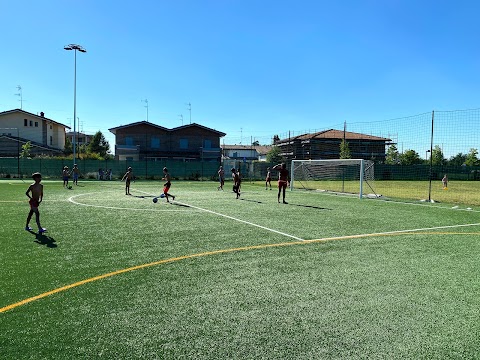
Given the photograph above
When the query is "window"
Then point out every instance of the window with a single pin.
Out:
(155, 143)
(51, 140)
(235, 155)
(183, 143)
(31, 123)
(207, 144)
(36, 123)
(25, 122)
(128, 140)
(51, 127)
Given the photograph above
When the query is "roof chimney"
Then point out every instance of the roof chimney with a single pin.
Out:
(42, 114)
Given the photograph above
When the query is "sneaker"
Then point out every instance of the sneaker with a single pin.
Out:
(28, 228)
(42, 230)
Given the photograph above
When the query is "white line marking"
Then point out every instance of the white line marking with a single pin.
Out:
(243, 221)
(393, 232)
(236, 219)
(71, 199)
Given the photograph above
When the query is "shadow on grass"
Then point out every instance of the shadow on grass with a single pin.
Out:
(255, 201)
(42, 239)
(309, 206)
(180, 204)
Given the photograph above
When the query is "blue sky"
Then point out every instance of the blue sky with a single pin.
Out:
(249, 68)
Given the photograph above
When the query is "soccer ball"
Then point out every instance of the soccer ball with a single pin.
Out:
(155, 200)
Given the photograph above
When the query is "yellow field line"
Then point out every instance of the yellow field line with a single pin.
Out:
(216, 252)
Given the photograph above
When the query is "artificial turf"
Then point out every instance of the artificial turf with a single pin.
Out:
(240, 279)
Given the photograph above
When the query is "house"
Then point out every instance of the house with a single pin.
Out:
(145, 140)
(18, 127)
(80, 137)
(245, 152)
(326, 145)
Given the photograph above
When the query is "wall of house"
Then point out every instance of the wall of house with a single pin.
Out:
(37, 129)
(240, 153)
(148, 141)
(16, 120)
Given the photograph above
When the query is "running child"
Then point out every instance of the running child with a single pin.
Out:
(128, 177)
(35, 194)
(283, 179)
(166, 186)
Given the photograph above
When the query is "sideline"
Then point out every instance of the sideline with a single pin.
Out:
(224, 251)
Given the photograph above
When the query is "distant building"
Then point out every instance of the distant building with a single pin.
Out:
(245, 152)
(18, 127)
(80, 137)
(145, 140)
(326, 145)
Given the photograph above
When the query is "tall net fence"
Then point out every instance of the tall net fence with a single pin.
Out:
(425, 148)
(101, 169)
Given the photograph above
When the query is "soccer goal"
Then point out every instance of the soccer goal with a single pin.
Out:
(342, 176)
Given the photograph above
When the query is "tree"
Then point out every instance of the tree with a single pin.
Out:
(99, 144)
(344, 150)
(275, 138)
(457, 160)
(256, 143)
(472, 158)
(68, 149)
(437, 156)
(274, 156)
(392, 157)
(410, 157)
(26, 150)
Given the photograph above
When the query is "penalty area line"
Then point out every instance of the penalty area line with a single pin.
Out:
(243, 221)
(236, 219)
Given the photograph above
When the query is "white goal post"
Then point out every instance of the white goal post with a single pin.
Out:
(341, 176)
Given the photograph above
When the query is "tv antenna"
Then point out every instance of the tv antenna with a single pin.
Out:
(19, 88)
(146, 102)
(181, 118)
(190, 110)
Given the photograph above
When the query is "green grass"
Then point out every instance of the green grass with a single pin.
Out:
(457, 193)
(229, 288)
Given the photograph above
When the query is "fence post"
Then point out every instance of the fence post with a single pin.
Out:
(431, 161)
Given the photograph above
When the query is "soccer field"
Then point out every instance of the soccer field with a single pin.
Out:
(212, 277)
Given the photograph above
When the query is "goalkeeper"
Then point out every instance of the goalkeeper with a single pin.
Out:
(283, 179)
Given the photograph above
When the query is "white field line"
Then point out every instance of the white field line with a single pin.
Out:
(236, 219)
(425, 204)
(392, 232)
(71, 199)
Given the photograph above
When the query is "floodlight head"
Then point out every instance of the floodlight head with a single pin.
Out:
(74, 47)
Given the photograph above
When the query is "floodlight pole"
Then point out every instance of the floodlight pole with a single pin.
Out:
(74, 47)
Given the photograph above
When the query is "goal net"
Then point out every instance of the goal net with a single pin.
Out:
(342, 176)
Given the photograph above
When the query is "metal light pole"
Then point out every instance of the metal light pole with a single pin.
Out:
(74, 47)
